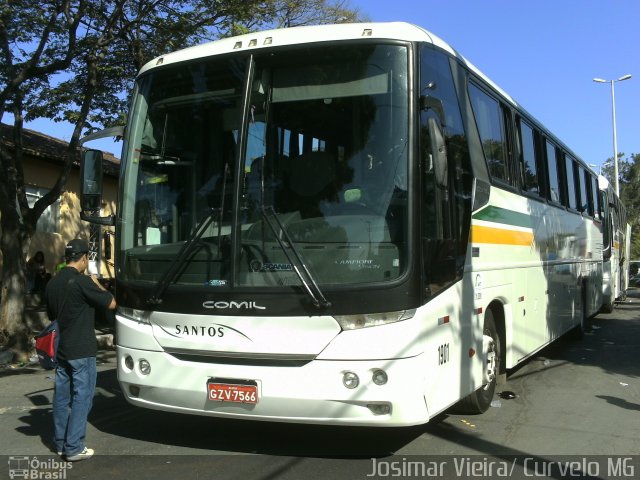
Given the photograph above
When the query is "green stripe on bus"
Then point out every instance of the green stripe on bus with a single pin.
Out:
(502, 215)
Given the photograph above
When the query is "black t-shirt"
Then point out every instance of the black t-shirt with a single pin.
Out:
(72, 299)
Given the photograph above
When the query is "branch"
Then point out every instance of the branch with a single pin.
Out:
(18, 156)
(30, 68)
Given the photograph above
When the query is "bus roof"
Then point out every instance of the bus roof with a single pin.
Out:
(314, 34)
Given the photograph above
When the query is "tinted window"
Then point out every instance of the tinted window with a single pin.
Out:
(552, 168)
(586, 205)
(529, 170)
(324, 158)
(572, 194)
(490, 124)
(445, 211)
(595, 197)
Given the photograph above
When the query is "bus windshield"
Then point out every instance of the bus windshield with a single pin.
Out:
(304, 151)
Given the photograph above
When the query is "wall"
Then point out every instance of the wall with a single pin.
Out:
(41, 173)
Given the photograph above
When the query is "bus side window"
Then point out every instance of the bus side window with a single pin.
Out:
(587, 201)
(529, 172)
(597, 207)
(553, 179)
(490, 120)
(445, 203)
(573, 193)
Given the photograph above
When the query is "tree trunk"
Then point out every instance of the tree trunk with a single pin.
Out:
(15, 334)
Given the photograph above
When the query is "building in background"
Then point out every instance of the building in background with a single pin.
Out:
(43, 159)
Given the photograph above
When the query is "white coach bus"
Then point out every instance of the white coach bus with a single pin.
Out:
(345, 225)
(616, 248)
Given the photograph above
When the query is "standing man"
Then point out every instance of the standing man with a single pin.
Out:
(71, 299)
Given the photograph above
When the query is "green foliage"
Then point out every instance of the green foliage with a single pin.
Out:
(119, 37)
(629, 184)
(629, 170)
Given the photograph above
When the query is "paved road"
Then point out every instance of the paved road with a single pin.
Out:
(578, 398)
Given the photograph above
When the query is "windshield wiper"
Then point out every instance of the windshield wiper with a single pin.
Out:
(299, 266)
(187, 248)
(170, 273)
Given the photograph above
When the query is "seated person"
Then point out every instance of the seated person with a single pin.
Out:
(37, 275)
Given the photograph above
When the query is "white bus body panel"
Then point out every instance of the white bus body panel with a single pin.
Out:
(542, 265)
(431, 360)
(421, 382)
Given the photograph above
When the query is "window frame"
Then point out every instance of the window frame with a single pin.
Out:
(540, 170)
(504, 114)
(585, 192)
(570, 174)
(597, 201)
(548, 143)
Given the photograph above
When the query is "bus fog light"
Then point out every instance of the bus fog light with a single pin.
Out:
(350, 380)
(128, 362)
(379, 408)
(134, 390)
(145, 367)
(380, 377)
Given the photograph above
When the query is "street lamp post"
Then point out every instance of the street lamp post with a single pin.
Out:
(613, 116)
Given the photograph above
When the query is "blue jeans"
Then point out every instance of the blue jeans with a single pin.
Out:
(75, 386)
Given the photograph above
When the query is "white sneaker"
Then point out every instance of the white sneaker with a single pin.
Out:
(83, 455)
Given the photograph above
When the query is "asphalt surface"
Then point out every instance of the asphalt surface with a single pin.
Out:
(576, 400)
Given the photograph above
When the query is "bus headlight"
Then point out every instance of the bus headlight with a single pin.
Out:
(145, 367)
(353, 322)
(140, 316)
(379, 377)
(128, 362)
(350, 380)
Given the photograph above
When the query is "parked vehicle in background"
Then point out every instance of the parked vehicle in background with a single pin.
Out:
(616, 240)
(634, 273)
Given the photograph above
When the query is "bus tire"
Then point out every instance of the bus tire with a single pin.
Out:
(607, 307)
(480, 400)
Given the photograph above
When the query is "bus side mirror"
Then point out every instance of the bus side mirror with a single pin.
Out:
(430, 103)
(91, 188)
(438, 153)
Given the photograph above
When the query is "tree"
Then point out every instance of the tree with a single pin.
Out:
(630, 197)
(629, 183)
(75, 61)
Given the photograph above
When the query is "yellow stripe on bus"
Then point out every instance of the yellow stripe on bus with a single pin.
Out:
(500, 236)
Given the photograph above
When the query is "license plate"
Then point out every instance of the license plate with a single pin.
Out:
(234, 391)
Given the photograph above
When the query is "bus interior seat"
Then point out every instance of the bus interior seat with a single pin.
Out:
(311, 173)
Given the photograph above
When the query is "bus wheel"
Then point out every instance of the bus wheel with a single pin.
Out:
(480, 400)
(607, 307)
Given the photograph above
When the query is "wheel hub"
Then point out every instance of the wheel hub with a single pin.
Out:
(491, 362)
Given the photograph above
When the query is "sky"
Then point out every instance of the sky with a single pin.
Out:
(544, 53)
